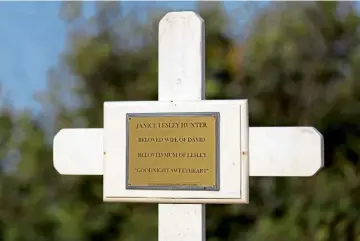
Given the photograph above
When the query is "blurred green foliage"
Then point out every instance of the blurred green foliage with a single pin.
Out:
(297, 65)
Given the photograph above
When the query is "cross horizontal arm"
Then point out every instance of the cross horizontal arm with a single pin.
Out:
(274, 151)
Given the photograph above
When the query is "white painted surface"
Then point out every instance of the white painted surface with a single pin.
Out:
(233, 138)
(78, 152)
(274, 151)
(181, 77)
(182, 222)
(181, 57)
(175, 55)
(285, 151)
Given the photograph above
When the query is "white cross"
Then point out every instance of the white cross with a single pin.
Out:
(244, 151)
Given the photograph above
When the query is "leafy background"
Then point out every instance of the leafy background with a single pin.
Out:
(296, 63)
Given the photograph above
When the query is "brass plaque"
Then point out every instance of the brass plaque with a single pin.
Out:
(173, 151)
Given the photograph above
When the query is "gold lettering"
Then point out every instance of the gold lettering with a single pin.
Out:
(170, 139)
(174, 170)
(170, 125)
(197, 155)
(172, 154)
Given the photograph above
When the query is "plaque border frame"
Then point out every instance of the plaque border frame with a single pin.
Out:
(169, 187)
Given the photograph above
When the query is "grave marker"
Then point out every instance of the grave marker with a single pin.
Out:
(142, 159)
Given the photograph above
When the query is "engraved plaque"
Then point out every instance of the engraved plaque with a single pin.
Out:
(173, 151)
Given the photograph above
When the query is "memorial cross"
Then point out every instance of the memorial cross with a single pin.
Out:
(183, 151)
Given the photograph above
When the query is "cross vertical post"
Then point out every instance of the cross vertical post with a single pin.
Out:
(181, 77)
